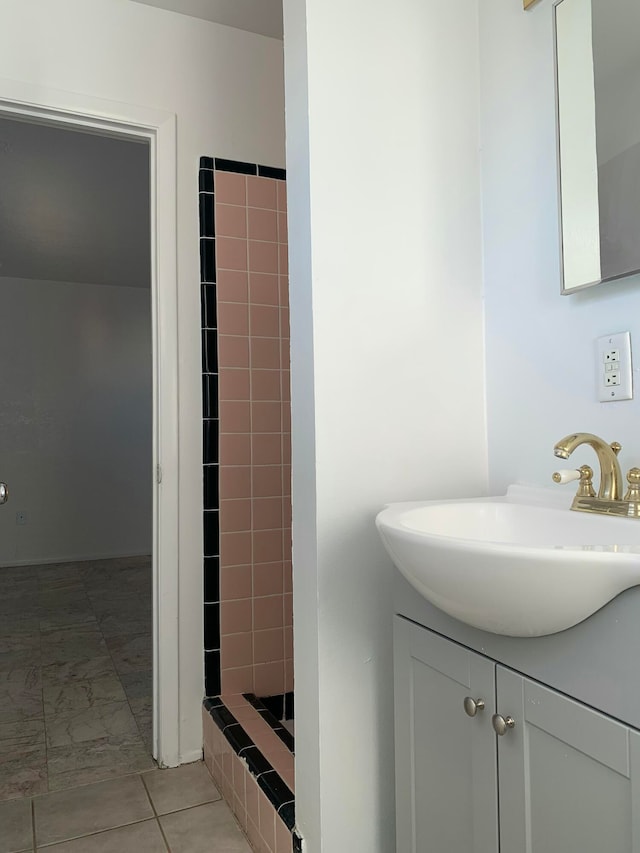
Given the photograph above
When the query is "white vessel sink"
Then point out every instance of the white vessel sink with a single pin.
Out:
(522, 565)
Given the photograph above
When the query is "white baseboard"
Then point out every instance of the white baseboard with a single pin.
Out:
(75, 558)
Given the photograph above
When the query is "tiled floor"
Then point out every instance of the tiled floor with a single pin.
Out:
(75, 674)
(178, 810)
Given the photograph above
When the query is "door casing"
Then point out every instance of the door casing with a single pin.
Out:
(69, 109)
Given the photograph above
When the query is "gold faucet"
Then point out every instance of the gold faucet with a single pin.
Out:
(609, 500)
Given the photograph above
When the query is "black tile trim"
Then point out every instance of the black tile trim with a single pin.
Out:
(205, 181)
(211, 581)
(210, 407)
(281, 705)
(236, 166)
(289, 705)
(212, 626)
(276, 789)
(207, 260)
(285, 736)
(242, 168)
(212, 672)
(272, 172)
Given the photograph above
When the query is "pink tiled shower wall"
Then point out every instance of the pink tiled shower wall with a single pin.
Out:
(255, 434)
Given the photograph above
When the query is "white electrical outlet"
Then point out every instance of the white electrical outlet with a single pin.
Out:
(614, 376)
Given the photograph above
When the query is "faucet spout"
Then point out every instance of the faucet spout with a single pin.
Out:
(610, 473)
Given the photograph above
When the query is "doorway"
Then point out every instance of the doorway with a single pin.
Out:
(156, 132)
(76, 446)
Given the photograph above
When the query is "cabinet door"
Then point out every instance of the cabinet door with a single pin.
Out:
(569, 776)
(445, 760)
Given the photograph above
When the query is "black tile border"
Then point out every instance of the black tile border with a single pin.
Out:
(269, 780)
(210, 402)
(242, 168)
(281, 705)
(272, 720)
(210, 428)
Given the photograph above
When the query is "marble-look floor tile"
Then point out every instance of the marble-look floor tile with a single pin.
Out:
(89, 724)
(145, 727)
(25, 657)
(83, 669)
(19, 601)
(78, 613)
(131, 653)
(20, 694)
(20, 624)
(180, 787)
(67, 696)
(136, 607)
(144, 837)
(21, 580)
(138, 685)
(9, 572)
(19, 637)
(116, 582)
(92, 761)
(23, 774)
(15, 826)
(58, 682)
(113, 627)
(73, 643)
(203, 829)
(141, 706)
(52, 598)
(20, 737)
(59, 576)
(71, 814)
(62, 608)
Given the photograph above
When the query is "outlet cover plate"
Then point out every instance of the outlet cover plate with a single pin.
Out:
(614, 373)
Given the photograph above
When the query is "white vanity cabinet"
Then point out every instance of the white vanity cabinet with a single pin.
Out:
(563, 779)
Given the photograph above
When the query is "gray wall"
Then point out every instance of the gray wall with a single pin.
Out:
(75, 420)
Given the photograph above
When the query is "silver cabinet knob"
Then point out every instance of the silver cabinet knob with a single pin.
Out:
(4, 493)
(472, 706)
(501, 725)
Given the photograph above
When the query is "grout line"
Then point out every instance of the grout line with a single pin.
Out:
(157, 817)
(92, 834)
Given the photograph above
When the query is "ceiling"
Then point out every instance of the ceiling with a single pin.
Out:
(263, 17)
(74, 206)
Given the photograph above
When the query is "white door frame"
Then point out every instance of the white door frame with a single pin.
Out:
(50, 106)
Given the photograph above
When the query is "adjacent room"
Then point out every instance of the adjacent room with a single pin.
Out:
(76, 455)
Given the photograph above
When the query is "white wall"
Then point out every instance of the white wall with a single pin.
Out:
(226, 88)
(539, 345)
(387, 363)
(75, 420)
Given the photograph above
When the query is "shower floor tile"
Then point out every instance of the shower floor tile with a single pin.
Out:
(75, 674)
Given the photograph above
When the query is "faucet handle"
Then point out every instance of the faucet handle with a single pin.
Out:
(565, 475)
(584, 474)
(633, 478)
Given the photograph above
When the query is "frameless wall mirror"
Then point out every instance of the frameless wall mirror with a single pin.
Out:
(598, 105)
